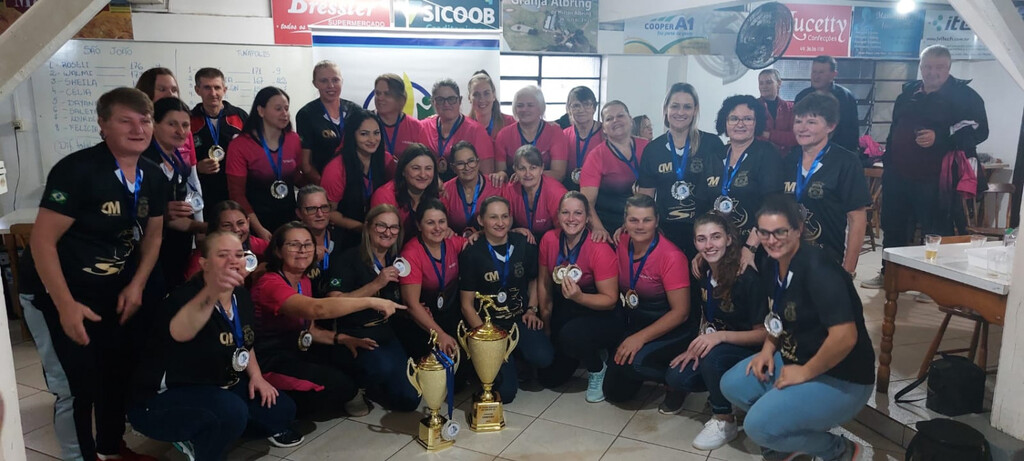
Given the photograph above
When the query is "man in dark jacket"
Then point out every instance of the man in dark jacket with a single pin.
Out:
(823, 76)
(931, 117)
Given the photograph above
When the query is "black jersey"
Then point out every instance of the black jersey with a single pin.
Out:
(747, 183)
(320, 134)
(484, 273)
(743, 311)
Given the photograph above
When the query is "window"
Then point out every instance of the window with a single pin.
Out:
(555, 75)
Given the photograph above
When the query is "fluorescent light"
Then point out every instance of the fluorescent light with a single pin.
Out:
(905, 6)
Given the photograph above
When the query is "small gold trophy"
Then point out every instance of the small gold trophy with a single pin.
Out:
(489, 347)
(430, 378)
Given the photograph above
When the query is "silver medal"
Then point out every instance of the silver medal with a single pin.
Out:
(773, 324)
(279, 189)
(725, 204)
(574, 272)
(708, 329)
(240, 359)
(305, 340)
(502, 297)
(575, 176)
(559, 275)
(402, 266)
(137, 232)
(632, 299)
(440, 302)
(450, 429)
(195, 201)
(250, 261)
(681, 190)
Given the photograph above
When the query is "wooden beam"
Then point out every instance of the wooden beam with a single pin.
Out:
(38, 34)
(1000, 27)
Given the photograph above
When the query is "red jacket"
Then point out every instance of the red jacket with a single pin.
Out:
(780, 126)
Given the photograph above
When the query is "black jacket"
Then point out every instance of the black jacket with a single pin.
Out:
(941, 110)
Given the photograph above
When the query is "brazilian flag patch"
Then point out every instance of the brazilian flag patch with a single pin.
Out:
(335, 283)
(57, 196)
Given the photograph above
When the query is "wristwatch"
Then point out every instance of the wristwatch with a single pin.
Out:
(752, 248)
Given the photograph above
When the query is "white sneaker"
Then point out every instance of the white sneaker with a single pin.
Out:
(357, 406)
(715, 434)
(875, 282)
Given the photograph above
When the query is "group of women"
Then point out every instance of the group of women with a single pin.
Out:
(342, 248)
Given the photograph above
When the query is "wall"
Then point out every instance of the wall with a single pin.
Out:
(12, 442)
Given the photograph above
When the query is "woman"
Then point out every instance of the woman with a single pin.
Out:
(291, 344)
(414, 181)
(614, 169)
(321, 122)
(534, 197)
(734, 305)
(197, 390)
(816, 368)
(159, 83)
(430, 290)
(397, 130)
(675, 163)
(654, 289)
(585, 134)
(449, 126)
(368, 342)
(262, 166)
(828, 181)
(642, 127)
(463, 193)
(483, 104)
(351, 178)
(749, 170)
(170, 130)
(314, 211)
(531, 129)
(577, 288)
(229, 216)
(503, 265)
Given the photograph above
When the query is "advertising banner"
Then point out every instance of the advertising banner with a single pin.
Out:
(292, 18)
(679, 33)
(447, 14)
(568, 26)
(882, 33)
(820, 29)
(946, 27)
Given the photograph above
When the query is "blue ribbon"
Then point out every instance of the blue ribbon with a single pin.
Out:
(634, 276)
(586, 144)
(469, 208)
(503, 274)
(340, 126)
(444, 268)
(574, 253)
(490, 126)
(449, 371)
(327, 252)
(277, 167)
(531, 211)
(236, 323)
(183, 172)
(711, 306)
(368, 182)
(727, 182)
(389, 140)
(214, 129)
(442, 141)
(377, 263)
(679, 161)
(780, 289)
(522, 137)
(631, 162)
(138, 187)
(801, 180)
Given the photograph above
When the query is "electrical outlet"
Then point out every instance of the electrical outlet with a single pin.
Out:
(18, 125)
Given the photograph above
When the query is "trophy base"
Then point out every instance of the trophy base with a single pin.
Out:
(487, 416)
(430, 436)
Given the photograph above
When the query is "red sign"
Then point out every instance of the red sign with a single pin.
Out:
(820, 30)
(292, 18)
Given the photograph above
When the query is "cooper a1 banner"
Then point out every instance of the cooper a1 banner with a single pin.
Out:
(882, 33)
(568, 26)
(820, 30)
(447, 14)
(677, 33)
(292, 18)
(420, 56)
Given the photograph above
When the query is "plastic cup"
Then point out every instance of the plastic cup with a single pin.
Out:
(931, 247)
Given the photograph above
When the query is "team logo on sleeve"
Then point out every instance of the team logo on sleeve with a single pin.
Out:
(58, 197)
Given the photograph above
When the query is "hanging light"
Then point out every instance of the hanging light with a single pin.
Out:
(905, 6)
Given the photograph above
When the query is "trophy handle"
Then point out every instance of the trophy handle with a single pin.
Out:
(461, 333)
(410, 372)
(513, 340)
(458, 355)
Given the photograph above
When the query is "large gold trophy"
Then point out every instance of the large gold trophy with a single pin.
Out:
(430, 378)
(489, 347)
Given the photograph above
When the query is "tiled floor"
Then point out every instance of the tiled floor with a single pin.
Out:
(546, 424)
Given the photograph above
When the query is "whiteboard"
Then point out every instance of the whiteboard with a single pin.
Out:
(66, 87)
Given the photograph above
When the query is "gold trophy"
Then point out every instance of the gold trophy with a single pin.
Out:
(430, 378)
(489, 347)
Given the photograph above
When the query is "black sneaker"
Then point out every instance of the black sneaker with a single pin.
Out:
(673, 402)
(286, 439)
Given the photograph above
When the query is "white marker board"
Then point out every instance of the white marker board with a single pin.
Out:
(67, 86)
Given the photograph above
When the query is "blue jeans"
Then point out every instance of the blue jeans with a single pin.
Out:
(535, 348)
(385, 367)
(708, 375)
(210, 417)
(796, 418)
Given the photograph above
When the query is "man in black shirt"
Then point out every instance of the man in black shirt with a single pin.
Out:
(215, 123)
(823, 75)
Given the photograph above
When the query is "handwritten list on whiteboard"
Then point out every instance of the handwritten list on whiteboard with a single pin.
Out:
(66, 87)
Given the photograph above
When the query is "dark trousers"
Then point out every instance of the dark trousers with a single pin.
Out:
(650, 363)
(381, 371)
(907, 205)
(210, 417)
(339, 386)
(534, 348)
(709, 374)
(580, 340)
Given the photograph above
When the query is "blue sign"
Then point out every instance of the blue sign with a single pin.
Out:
(885, 34)
(447, 14)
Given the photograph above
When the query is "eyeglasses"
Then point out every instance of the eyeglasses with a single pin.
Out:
(297, 247)
(746, 120)
(312, 210)
(780, 233)
(441, 101)
(383, 228)
(471, 163)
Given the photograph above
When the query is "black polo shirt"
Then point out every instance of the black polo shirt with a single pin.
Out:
(745, 309)
(87, 187)
(318, 133)
(229, 123)
(757, 176)
(836, 187)
(820, 294)
(350, 273)
(478, 273)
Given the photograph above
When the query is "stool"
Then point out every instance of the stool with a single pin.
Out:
(979, 339)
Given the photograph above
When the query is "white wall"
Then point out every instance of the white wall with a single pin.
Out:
(1004, 105)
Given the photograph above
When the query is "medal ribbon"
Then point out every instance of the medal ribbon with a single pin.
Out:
(634, 275)
(573, 253)
(377, 263)
(449, 371)
(522, 137)
(390, 140)
(631, 162)
(442, 141)
(679, 161)
(337, 127)
(327, 254)
(780, 289)
(368, 182)
(236, 323)
(586, 143)
(277, 167)
(469, 208)
(801, 180)
(444, 268)
(138, 187)
(531, 211)
(490, 126)
(503, 273)
(214, 129)
(727, 181)
(712, 303)
(183, 173)
(298, 288)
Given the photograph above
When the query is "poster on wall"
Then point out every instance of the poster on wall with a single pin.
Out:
(447, 14)
(882, 33)
(946, 27)
(820, 29)
(292, 18)
(114, 21)
(415, 54)
(679, 33)
(567, 26)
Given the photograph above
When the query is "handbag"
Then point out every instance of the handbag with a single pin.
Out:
(956, 386)
(944, 439)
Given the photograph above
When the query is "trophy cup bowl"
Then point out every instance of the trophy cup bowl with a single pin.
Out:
(430, 380)
(488, 346)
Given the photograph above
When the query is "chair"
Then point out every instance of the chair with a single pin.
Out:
(874, 178)
(978, 220)
(18, 238)
(979, 338)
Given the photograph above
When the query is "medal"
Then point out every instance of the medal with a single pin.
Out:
(708, 329)
(502, 297)
(581, 151)
(305, 340)
(724, 204)
(632, 299)
(216, 152)
(573, 272)
(773, 324)
(279, 189)
(440, 273)
(570, 255)
(450, 429)
(681, 190)
(250, 261)
(558, 275)
(195, 201)
(240, 360)
(440, 302)
(133, 198)
(402, 266)
(804, 212)
(503, 273)
(137, 232)
(575, 176)
(772, 321)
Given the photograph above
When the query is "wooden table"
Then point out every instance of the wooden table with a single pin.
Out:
(19, 216)
(949, 281)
